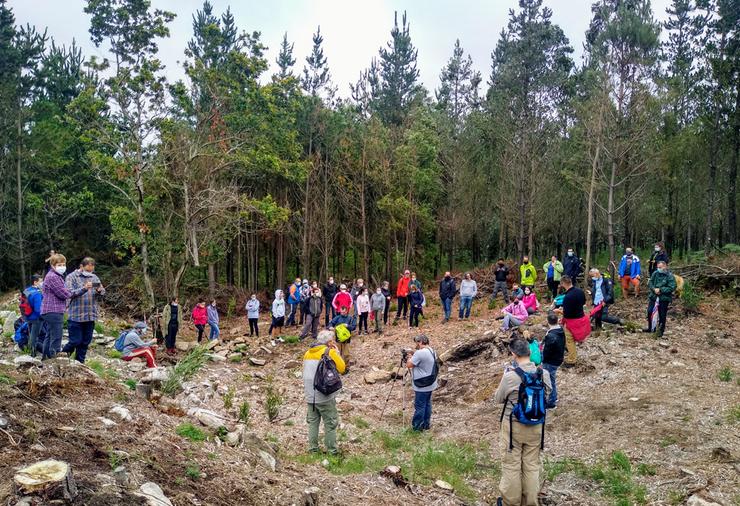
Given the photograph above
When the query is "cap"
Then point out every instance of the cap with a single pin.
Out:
(140, 325)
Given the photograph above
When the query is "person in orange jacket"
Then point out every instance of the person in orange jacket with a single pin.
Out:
(402, 294)
(200, 317)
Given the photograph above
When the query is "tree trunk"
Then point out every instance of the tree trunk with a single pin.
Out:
(610, 213)
(732, 178)
(19, 195)
(143, 232)
(591, 199)
(211, 280)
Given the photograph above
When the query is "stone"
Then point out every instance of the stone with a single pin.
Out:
(208, 418)
(444, 485)
(121, 476)
(292, 364)
(664, 344)
(392, 469)
(259, 449)
(122, 413)
(153, 495)
(3, 422)
(676, 363)
(135, 365)
(185, 345)
(634, 399)
(154, 375)
(266, 350)
(257, 361)
(144, 390)
(212, 344)
(239, 340)
(377, 375)
(695, 500)
(216, 358)
(233, 438)
(235, 357)
(49, 478)
(9, 323)
(107, 422)
(26, 361)
(325, 463)
(234, 331)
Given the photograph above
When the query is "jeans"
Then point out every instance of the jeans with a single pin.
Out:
(552, 400)
(201, 328)
(34, 329)
(403, 302)
(466, 303)
(215, 332)
(253, 327)
(326, 411)
(500, 286)
(510, 321)
(603, 316)
(662, 315)
(387, 309)
(378, 314)
(80, 337)
(172, 328)
(553, 286)
(447, 305)
(363, 322)
(291, 315)
(53, 341)
(414, 316)
(329, 311)
(422, 411)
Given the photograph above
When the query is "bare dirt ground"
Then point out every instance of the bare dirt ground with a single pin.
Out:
(640, 420)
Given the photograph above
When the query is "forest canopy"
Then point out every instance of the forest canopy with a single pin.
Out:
(235, 177)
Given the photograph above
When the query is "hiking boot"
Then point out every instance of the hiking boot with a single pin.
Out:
(647, 330)
(568, 365)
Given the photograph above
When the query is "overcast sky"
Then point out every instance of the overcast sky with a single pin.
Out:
(353, 30)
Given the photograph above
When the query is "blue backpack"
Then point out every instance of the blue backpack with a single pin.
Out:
(121, 341)
(530, 408)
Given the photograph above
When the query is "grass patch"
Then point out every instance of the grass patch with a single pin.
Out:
(667, 441)
(646, 470)
(130, 383)
(191, 432)
(244, 413)
(360, 423)
(114, 354)
(6, 380)
(184, 370)
(273, 401)
(101, 369)
(235, 359)
(192, 471)
(115, 459)
(726, 374)
(229, 398)
(676, 497)
(291, 339)
(734, 414)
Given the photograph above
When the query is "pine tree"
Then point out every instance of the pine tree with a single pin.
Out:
(316, 77)
(285, 59)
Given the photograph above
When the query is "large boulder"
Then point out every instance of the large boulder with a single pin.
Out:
(8, 325)
(378, 375)
(209, 418)
(26, 361)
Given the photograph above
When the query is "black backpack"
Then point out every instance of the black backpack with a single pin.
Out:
(327, 380)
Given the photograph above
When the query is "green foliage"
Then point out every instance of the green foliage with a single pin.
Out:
(102, 370)
(185, 369)
(114, 354)
(360, 422)
(734, 414)
(244, 413)
(229, 398)
(191, 432)
(290, 339)
(192, 471)
(273, 401)
(6, 380)
(691, 298)
(130, 383)
(726, 374)
(115, 459)
(231, 307)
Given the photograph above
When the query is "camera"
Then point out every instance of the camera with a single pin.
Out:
(405, 352)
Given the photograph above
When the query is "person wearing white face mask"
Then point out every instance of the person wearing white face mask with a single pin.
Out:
(54, 303)
(82, 311)
(662, 286)
(571, 264)
(253, 315)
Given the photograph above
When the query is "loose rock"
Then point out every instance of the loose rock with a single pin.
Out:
(26, 361)
(444, 485)
(153, 495)
(257, 361)
(123, 413)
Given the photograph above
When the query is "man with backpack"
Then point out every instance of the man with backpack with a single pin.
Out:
(30, 307)
(424, 370)
(522, 391)
(322, 366)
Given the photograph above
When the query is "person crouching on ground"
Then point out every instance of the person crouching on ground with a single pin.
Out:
(134, 346)
(519, 444)
(530, 300)
(514, 314)
(424, 381)
(319, 406)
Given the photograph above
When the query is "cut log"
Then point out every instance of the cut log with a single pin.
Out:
(469, 349)
(51, 479)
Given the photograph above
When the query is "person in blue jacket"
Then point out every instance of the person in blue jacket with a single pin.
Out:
(629, 272)
(34, 298)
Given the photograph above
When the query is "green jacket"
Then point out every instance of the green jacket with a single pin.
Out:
(528, 274)
(557, 271)
(667, 284)
(167, 314)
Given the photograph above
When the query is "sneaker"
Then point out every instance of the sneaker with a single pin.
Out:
(647, 330)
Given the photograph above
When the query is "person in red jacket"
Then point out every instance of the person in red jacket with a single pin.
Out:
(200, 318)
(342, 299)
(402, 294)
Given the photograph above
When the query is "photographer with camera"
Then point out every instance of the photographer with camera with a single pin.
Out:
(424, 371)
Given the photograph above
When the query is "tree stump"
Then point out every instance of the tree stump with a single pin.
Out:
(311, 496)
(50, 479)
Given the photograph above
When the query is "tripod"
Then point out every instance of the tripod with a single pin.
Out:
(403, 391)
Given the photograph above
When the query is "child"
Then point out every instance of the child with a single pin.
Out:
(363, 307)
(415, 301)
(378, 307)
(200, 318)
(534, 348)
(553, 351)
(253, 314)
(278, 314)
(514, 314)
(530, 302)
(386, 290)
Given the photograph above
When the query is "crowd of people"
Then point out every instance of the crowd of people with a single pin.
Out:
(349, 308)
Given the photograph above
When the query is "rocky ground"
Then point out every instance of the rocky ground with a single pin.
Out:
(640, 421)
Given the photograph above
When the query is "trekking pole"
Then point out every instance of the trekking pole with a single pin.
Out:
(391, 390)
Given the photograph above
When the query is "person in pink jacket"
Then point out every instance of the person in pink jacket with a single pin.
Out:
(514, 314)
(530, 301)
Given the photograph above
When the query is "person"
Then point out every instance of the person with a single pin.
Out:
(519, 444)
(553, 271)
(415, 301)
(402, 294)
(305, 291)
(447, 291)
(294, 298)
(329, 291)
(662, 285)
(314, 309)
(530, 300)
(423, 365)
(134, 346)
(213, 321)
(576, 324)
(602, 296)
(501, 273)
(468, 291)
(386, 290)
(34, 298)
(351, 323)
(320, 406)
(514, 314)
(200, 318)
(82, 310)
(527, 273)
(629, 272)
(341, 299)
(377, 306)
(278, 314)
(54, 303)
(572, 264)
(414, 281)
(253, 315)
(516, 291)
(553, 350)
(173, 316)
(535, 355)
(659, 255)
(362, 305)
(355, 292)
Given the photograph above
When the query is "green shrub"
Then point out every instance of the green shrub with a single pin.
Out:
(691, 298)
(229, 398)
(231, 308)
(726, 374)
(114, 354)
(291, 339)
(192, 471)
(131, 383)
(100, 369)
(191, 432)
(184, 370)
(273, 401)
(244, 413)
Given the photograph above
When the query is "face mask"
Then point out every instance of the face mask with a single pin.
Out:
(174, 303)
(413, 279)
(331, 281)
(526, 262)
(61, 269)
(570, 253)
(657, 248)
(629, 253)
(447, 277)
(500, 264)
(662, 271)
(594, 278)
(254, 297)
(378, 292)
(41, 285)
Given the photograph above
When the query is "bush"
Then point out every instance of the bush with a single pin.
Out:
(691, 298)
(114, 354)
(726, 374)
(184, 370)
(291, 339)
(131, 383)
(192, 471)
(244, 413)
(231, 308)
(273, 401)
(229, 398)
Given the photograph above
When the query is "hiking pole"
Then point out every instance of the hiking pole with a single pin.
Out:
(392, 385)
